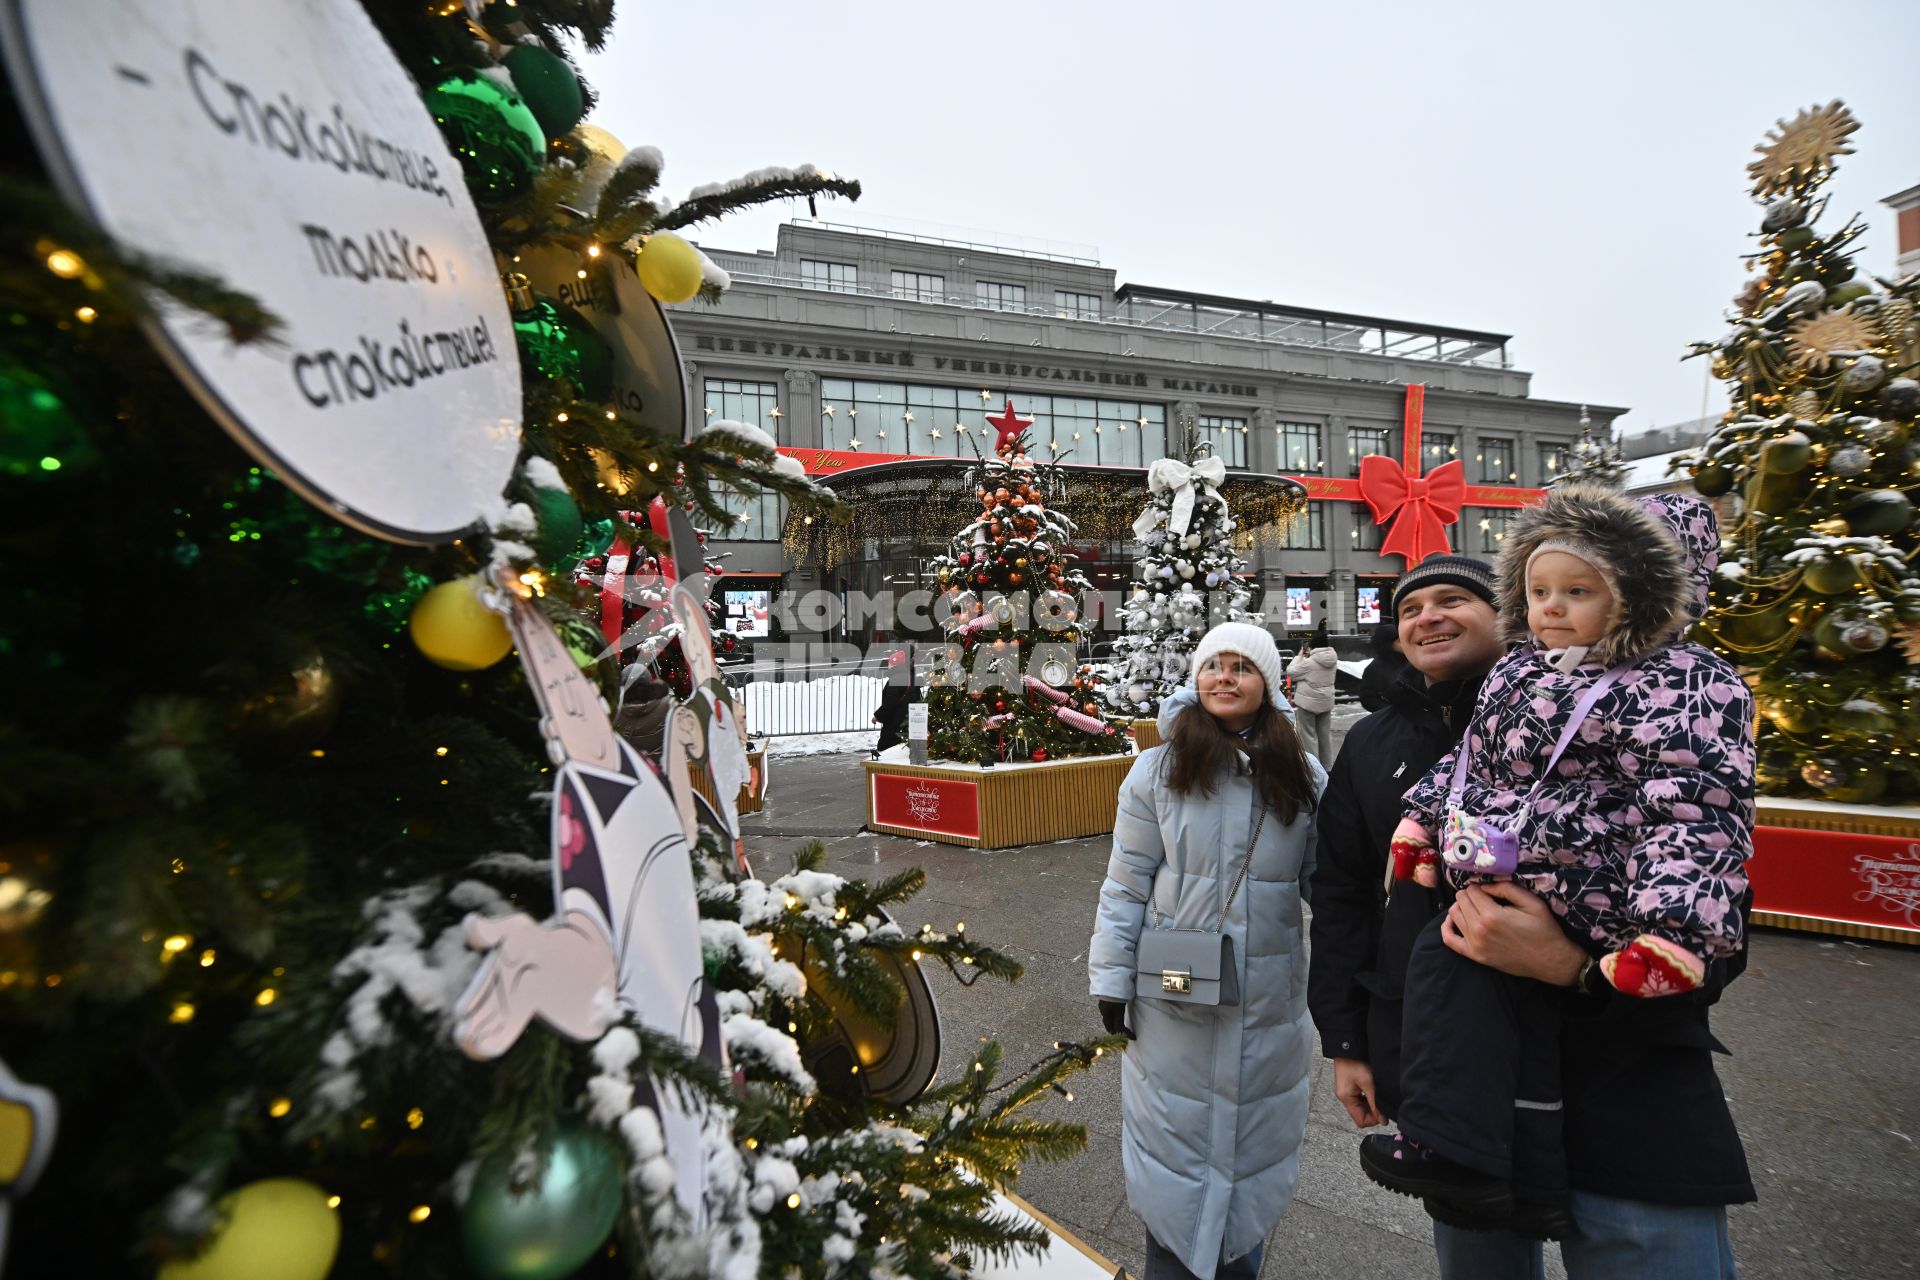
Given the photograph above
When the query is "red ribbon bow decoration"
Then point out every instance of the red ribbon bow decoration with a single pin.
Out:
(1426, 505)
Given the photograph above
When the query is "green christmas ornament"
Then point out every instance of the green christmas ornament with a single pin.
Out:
(42, 438)
(549, 1229)
(1776, 493)
(1882, 511)
(548, 86)
(1790, 715)
(1863, 716)
(1794, 239)
(1841, 294)
(1787, 455)
(1757, 630)
(1858, 784)
(493, 132)
(1712, 480)
(558, 343)
(1832, 576)
(557, 524)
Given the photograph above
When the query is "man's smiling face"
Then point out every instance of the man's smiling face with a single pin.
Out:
(1448, 632)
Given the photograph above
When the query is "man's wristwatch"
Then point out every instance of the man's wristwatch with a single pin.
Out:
(1581, 981)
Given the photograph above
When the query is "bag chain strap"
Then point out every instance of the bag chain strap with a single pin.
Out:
(1259, 821)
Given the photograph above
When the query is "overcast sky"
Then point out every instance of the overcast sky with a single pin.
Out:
(1574, 175)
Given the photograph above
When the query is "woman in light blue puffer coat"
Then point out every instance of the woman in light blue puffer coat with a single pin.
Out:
(1214, 1096)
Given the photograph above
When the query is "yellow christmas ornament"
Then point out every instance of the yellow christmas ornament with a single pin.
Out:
(604, 152)
(278, 1229)
(454, 630)
(669, 267)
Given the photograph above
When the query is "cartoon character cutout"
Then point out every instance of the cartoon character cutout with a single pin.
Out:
(626, 939)
(29, 1117)
(709, 729)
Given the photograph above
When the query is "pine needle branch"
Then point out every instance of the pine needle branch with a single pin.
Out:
(749, 191)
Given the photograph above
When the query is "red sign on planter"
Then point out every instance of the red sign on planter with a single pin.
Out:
(1831, 875)
(942, 806)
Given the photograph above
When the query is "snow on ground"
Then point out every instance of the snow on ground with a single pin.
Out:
(821, 744)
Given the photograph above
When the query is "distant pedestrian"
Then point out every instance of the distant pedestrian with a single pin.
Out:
(1213, 836)
(1313, 670)
(644, 706)
(1386, 665)
(900, 692)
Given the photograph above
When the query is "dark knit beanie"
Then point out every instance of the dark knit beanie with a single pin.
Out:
(1460, 571)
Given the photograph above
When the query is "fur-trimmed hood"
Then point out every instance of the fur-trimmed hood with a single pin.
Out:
(1658, 550)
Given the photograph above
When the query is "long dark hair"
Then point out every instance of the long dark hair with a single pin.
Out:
(1200, 750)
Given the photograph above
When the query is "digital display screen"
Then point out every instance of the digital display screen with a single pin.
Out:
(1369, 611)
(747, 613)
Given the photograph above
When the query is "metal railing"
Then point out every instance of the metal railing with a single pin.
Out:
(1382, 341)
(836, 704)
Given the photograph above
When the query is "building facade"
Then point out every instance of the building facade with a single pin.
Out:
(1906, 209)
(845, 343)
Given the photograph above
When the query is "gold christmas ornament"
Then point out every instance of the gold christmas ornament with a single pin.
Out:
(1805, 404)
(1817, 339)
(1801, 152)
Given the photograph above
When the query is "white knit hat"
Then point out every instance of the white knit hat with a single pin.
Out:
(1252, 643)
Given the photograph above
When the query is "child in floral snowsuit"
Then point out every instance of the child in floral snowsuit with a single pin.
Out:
(1636, 836)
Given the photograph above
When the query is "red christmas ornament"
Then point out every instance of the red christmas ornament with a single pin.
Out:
(1014, 578)
(1039, 754)
(966, 557)
(999, 704)
(1090, 708)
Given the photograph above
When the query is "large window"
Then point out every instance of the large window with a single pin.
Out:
(1000, 297)
(1308, 530)
(918, 286)
(1299, 445)
(1437, 447)
(1492, 525)
(754, 403)
(1362, 441)
(1366, 535)
(839, 277)
(1228, 436)
(759, 518)
(896, 417)
(1076, 306)
(1553, 460)
(1498, 463)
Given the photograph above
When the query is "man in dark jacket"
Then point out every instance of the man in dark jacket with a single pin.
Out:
(1451, 638)
(1652, 1154)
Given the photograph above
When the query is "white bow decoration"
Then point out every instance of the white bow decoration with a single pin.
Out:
(1170, 475)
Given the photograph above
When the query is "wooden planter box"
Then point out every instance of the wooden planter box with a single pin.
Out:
(997, 808)
(753, 796)
(1146, 733)
(1850, 869)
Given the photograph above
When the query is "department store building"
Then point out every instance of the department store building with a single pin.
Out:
(849, 345)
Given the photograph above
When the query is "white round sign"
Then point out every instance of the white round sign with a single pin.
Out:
(280, 144)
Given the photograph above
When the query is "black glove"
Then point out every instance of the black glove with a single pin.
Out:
(1114, 1014)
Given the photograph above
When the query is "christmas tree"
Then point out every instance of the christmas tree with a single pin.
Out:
(1592, 459)
(1010, 685)
(1188, 579)
(631, 584)
(270, 779)
(1817, 598)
